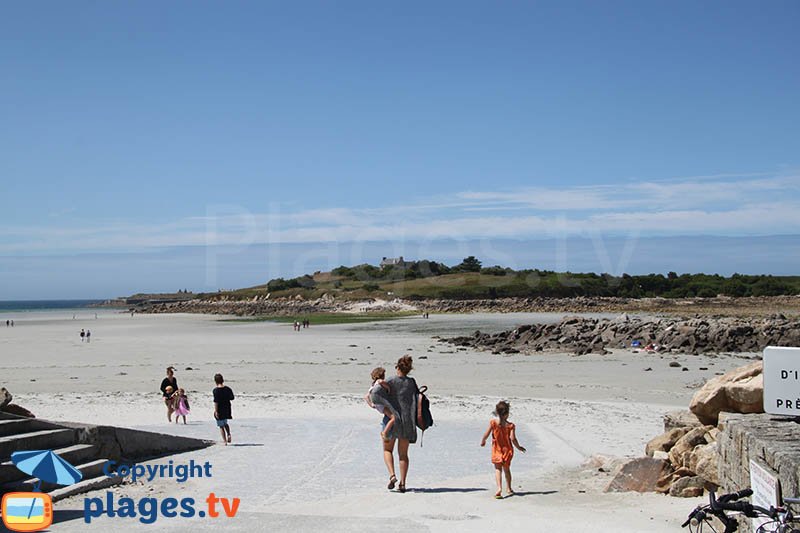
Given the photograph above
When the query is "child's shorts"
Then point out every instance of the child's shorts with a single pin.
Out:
(222, 422)
(384, 421)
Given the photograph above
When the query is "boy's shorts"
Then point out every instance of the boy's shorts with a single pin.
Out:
(222, 422)
(384, 421)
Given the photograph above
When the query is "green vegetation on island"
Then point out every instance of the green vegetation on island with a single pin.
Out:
(416, 280)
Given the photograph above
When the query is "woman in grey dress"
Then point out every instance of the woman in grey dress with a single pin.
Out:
(403, 398)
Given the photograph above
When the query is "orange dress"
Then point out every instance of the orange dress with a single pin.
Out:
(502, 449)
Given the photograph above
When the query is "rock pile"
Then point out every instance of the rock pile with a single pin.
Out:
(581, 335)
(683, 461)
(331, 302)
(263, 306)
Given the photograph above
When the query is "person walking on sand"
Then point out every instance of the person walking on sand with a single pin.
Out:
(169, 381)
(83, 334)
(403, 399)
(222, 407)
(88, 335)
(504, 440)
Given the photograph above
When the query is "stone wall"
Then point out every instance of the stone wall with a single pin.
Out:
(773, 440)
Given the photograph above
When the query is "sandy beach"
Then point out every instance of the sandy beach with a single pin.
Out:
(308, 452)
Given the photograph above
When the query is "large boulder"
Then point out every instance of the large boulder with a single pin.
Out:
(739, 391)
(681, 419)
(679, 454)
(688, 487)
(639, 475)
(703, 462)
(665, 441)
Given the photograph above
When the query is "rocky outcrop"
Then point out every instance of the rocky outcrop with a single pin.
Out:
(263, 304)
(583, 335)
(752, 306)
(693, 450)
(739, 391)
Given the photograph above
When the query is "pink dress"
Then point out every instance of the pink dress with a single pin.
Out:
(182, 406)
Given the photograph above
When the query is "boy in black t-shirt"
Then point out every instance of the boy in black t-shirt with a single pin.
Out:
(222, 407)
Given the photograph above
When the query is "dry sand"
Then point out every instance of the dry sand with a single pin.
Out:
(309, 454)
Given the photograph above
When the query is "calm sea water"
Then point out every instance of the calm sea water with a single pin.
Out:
(17, 306)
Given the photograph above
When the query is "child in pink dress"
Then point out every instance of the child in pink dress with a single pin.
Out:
(181, 405)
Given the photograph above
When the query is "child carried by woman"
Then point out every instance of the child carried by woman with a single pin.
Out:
(378, 398)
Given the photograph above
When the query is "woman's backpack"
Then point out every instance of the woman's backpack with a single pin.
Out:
(424, 417)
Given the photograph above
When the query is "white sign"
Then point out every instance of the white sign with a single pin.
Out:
(766, 490)
(782, 381)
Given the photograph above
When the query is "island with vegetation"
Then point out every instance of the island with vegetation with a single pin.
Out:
(399, 287)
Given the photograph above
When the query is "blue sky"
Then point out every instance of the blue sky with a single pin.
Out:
(144, 127)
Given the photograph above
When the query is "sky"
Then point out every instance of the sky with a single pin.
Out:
(183, 131)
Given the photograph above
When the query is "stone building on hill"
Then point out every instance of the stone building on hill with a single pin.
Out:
(393, 261)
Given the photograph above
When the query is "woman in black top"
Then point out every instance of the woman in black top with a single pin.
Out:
(169, 381)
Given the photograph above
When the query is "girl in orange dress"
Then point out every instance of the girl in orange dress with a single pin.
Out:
(504, 439)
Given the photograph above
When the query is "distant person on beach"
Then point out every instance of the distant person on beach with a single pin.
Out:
(83, 334)
(169, 382)
(181, 405)
(8, 323)
(88, 335)
(222, 407)
(378, 398)
(504, 440)
(403, 399)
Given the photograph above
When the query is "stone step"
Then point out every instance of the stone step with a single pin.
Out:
(75, 455)
(48, 439)
(15, 427)
(85, 485)
(89, 470)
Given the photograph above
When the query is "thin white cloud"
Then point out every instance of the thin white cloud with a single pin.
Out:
(720, 205)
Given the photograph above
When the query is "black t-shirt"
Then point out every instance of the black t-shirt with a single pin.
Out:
(166, 382)
(223, 397)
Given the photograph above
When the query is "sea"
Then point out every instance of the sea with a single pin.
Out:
(29, 306)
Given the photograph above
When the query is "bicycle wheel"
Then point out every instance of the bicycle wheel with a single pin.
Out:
(770, 527)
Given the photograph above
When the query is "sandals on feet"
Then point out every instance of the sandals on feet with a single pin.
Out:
(402, 487)
(392, 481)
(498, 495)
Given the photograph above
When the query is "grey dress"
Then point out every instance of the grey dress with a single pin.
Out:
(403, 399)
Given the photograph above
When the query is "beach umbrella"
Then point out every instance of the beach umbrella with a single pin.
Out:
(47, 466)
